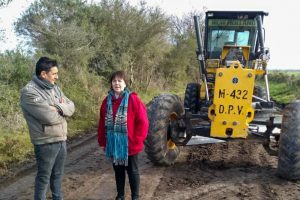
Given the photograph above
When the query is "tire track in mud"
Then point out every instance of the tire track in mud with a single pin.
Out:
(234, 170)
(22, 185)
(93, 177)
(87, 176)
(98, 182)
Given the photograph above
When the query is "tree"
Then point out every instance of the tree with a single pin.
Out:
(52, 28)
(4, 2)
(134, 39)
(106, 36)
(181, 60)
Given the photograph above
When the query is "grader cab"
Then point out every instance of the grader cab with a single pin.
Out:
(227, 103)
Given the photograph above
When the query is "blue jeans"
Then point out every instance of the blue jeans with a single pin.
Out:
(50, 160)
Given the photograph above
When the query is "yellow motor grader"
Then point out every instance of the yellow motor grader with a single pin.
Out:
(227, 103)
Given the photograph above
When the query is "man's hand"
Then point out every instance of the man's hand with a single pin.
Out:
(54, 108)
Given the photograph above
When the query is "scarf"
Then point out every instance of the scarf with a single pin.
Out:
(116, 131)
(42, 82)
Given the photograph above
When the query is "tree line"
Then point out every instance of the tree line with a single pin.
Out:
(100, 38)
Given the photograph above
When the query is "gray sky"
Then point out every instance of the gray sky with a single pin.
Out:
(282, 25)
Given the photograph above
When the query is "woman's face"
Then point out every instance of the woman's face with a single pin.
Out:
(118, 85)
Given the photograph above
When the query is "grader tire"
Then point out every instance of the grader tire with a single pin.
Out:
(191, 97)
(289, 143)
(158, 145)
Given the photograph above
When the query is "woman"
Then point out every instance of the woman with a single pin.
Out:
(123, 127)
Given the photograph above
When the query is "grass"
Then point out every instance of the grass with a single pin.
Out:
(282, 93)
(15, 148)
(177, 88)
(284, 86)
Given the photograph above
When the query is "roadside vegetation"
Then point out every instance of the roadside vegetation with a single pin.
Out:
(285, 86)
(92, 40)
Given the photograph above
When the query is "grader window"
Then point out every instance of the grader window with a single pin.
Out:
(219, 38)
(238, 32)
(243, 38)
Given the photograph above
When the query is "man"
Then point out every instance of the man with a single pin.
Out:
(45, 109)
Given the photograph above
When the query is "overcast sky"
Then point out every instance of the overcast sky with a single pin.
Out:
(282, 25)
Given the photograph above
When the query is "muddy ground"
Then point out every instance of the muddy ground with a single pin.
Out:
(235, 170)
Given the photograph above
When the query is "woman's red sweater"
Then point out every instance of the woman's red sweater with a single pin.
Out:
(137, 123)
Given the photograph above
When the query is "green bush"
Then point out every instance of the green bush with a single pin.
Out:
(16, 68)
(14, 149)
(284, 86)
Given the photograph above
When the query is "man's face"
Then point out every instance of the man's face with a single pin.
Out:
(51, 76)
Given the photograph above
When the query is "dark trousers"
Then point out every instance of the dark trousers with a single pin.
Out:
(133, 175)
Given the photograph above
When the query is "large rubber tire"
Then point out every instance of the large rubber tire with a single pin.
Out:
(289, 143)
(191, 97)
(158, 145)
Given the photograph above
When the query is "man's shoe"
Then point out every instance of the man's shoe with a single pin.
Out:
(120, 198)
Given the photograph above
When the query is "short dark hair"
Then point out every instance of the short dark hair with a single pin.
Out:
(44, 64)
(120, 74)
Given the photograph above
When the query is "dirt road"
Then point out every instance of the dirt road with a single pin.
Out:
(235, 170)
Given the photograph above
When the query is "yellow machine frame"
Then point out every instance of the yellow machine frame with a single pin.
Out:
(231, 111)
